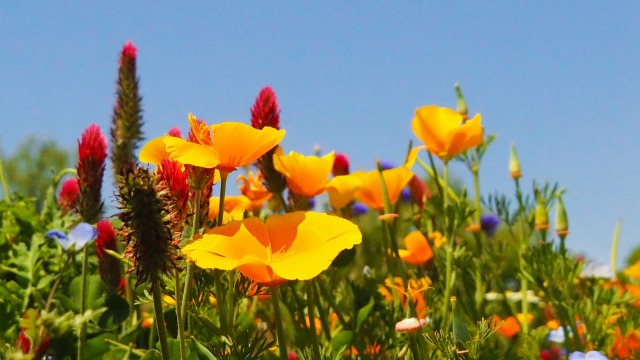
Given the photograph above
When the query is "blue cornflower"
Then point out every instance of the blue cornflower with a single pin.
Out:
(79, 236)
(359, 208)
(489, 223)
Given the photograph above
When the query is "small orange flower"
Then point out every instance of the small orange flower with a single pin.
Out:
(227, 146)
(625, 346)
(418, 250)
(437, 238)
(298, 245)
(395, 288)
(234, 207)
(510, 327)
(254, 190)
(444, 131)
(306, 175)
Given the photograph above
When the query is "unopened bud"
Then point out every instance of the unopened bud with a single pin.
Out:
(541, 216)
(461, 103)
(514, 164)
(562, 223)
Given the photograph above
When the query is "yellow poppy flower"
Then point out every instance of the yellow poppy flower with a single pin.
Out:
(234, 207)
(342, 189)
(252, 187)
(298, 245)
(444, 132)
(633, 271)
(417, 250)
(228, 146)
(154, 152)
(370, 192)
(306, 175)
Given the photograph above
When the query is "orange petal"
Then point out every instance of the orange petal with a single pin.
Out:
(418, 250)
(319, 238)
(154, 151)
(233, 240)
(342, 189)
(395, 180)
(239, 144)
(465, 136)
(306, 175)
(191, 153)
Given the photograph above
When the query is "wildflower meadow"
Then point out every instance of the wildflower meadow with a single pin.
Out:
(311, 260)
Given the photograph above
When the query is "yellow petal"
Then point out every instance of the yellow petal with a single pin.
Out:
(466, 136)
(239, 144)
(443, 132)
(318, 240)
(370, 193)
(154, 151)
(342, 189)
(233, 240)
(191, 153)
(306, 175)
(412, 156)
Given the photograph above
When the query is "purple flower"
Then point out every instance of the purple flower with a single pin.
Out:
(405, 195)
(386, 165)
(79, 236)
(359, 209)
(312, 203)
(489, 223)
(591, 355)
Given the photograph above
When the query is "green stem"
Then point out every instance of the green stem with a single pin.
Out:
(179, 319)
(5, 185)
(413, 346)
(54, 288)
(524, 287)
(189, 276)
(160, 325)
(447, 281)
(332, 303)
(275, 292)
(223, 188)
(137, 352)
(445, 194)
(283, 201)
(614, 248)
(476, 189)
(83, 300)
(311, 312)
(321, 311)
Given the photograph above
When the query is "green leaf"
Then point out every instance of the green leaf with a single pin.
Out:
(201, 350)
(343, 338)
(152, 355)
(460, 331)
(363, 313)
(117, 312)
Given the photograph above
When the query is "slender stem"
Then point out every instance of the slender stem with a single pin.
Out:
(54, 288)
(413, 346)
(614, 248)
(283, 201)
(83, 301)
(321, 311)
(136, 352)
(445, 174)
(275, 295)
(448, 247)
(189, 276)
(5, 185)
(524, 287)
(179, 319)
(332, 303)
(223, 187)
(160, 325)
(312, 318)
(476, 189)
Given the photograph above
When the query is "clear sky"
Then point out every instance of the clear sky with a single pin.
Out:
(559, 79)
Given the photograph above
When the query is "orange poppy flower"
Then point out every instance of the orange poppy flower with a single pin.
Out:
(306, 175)
(417, 250)
(625, 346)
(370, 193)
(252, 187)
(342, 189)
(444, 132)
(298, 245)
(234, 207)
(154, 152)
(227, 146)
(509, 328)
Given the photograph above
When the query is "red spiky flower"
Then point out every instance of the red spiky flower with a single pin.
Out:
(265, 112)
(69, 195)
(92, 153)
(108, 266)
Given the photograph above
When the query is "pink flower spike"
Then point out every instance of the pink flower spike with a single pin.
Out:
(129, 50)
(410, 324)
(265, 111)
(340, 165)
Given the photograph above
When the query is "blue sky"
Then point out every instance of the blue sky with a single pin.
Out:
(559, 79)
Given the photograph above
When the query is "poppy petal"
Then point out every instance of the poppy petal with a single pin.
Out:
(191, 153)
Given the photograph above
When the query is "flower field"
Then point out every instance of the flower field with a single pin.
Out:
(312, 260)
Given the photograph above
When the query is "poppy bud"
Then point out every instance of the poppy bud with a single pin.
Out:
(541, 216)
(514, 164)
(461, 103)
(562, 223)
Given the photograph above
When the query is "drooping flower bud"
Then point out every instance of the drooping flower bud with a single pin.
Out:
(541, 216)
(562, 223)
(69, 195)
(265, 112)
(514, 164)
(108, 266)
(461, 103)
(340, 165)
(92, 153)
(126, 128)
(419, 191)
(145, 225)
(175, 131)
